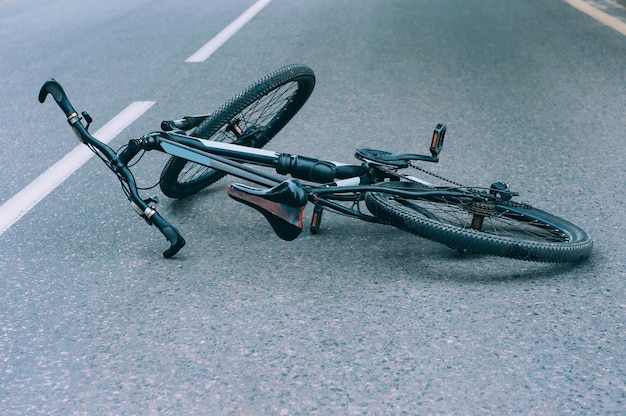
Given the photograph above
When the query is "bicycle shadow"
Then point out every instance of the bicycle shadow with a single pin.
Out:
(442, 262)
(344, 242)
(489, 269)
(397, 251)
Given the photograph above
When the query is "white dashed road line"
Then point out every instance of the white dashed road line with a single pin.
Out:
(221, 38)
(25, 200)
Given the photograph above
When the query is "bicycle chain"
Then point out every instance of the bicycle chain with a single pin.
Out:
(435, 175)
(506, 203)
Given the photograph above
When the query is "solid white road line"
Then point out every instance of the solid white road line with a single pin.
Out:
(221, 38)
(22, 202)
(599, 15)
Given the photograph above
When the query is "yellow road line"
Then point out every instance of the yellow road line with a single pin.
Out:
(599, 15)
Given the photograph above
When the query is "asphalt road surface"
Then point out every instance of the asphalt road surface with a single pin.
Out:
(360, 319)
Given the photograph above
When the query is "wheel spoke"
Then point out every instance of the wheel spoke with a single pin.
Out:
(258, 114)
(499, 223)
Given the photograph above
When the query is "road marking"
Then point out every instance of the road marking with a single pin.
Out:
(25, 200)
(221, 38)
(599, 15)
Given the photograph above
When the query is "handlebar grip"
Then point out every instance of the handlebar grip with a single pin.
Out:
(53, 88)
(186, 123)
(171, 233)
(170, 125)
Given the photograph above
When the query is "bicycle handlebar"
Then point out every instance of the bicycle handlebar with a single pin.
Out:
(118, 164)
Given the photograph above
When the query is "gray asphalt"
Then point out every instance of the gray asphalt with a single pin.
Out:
(360, 319)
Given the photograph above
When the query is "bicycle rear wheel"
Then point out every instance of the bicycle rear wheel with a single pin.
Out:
(252, 118)
(510, 230)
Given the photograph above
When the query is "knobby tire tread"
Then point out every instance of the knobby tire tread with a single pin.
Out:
(469, 240)
(302, 75)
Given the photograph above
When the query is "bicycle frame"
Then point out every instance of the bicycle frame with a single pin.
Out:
(230, 158)
(331, 181)
(219, 156)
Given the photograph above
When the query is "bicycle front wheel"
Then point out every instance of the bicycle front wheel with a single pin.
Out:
(510, 230)
(252, 118)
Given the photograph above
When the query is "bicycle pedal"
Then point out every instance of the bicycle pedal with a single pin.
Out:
(436, 144)
(316, 219)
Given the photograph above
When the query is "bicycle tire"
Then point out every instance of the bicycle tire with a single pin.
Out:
(264, 108)
(512, 230)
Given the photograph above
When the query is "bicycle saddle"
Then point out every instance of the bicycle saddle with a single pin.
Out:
(282, 205)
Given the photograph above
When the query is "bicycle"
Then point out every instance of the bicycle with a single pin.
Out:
(205, 148)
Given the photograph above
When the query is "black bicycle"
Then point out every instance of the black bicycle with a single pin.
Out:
(382, 187)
